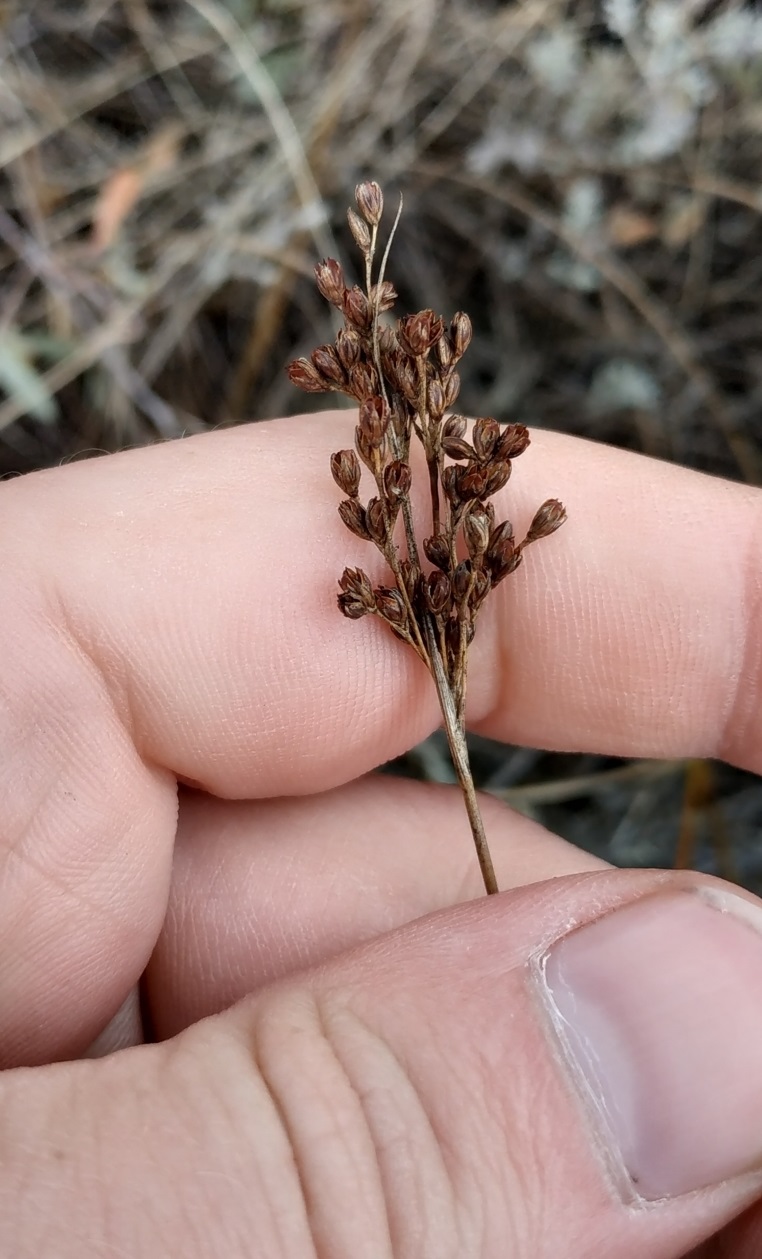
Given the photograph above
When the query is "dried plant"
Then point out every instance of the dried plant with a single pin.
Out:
(404, 379)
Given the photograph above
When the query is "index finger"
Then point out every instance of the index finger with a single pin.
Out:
(199, 578)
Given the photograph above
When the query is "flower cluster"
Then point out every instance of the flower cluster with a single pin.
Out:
(405, 380)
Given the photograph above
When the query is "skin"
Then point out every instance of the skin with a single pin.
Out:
(375, 1079)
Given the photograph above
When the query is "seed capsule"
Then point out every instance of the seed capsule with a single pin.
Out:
(359, 229)
(330, 281)
(370, 201)
(354, 517)
(547, 519)
(305, 376)
(437, 551)
(391, 606)
(345, 469)
(437, 592)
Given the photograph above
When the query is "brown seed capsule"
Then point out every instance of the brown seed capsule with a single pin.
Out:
(345, 469)
(356, 309)
(397, 478)
(497, 476)
(460, 333)
(451, 388)
(355, 582)
(374, 420)
(486, 434)
(476, 531)
(387, 342)
(351, 607)
(436, 592)
(418, 333)
(407, 381)
(455, 426)
(457, 448)
(383, 296)
(435, 398)
(461, 580)
(501, 534)
(437, 551)
(445, 352)
(501, 567)
(472, 481)
(513, 441)
(354, 517)
(370, 201)
(547, 519)
(481, 588)
(501, 553)
(450, 484)
(411, 575)
(302, 374)
(348, 348)
(376, 521)
(362, 381)
(391, 605)
(359, 229)
(326, 361)
(330, 281)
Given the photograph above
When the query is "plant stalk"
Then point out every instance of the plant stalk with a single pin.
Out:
(456, 739)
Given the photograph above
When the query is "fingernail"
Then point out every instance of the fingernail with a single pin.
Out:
(658, 1008)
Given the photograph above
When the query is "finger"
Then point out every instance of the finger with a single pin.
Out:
(199, 577)
(171, 611)
(429, 1094)
(262, 889)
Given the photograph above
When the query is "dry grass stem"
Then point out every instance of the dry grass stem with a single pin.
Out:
(405, 381)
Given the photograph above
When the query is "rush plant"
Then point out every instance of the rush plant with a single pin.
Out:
(404, 378)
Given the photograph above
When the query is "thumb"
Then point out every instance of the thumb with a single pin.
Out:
(570, 1068)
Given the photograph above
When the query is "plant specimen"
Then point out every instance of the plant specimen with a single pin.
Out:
(404, 379)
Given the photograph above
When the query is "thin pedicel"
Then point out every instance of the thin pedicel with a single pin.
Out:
(404, 380)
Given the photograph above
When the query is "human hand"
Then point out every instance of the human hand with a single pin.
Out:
(390, 1081)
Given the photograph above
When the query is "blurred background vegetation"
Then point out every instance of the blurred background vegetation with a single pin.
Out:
(584, 177)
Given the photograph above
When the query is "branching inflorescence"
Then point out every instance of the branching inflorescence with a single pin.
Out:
(404, 378)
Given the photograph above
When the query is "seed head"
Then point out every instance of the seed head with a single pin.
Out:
(391, 606)
(370, 201)
(497, 476)
(374, 420)
(348, 348)
(382, 297)
(486, 434)
(437, 551)
(376, 522)
(461, 580)
(356, 309)
(325, 360)
(359, 229)
(476, 530)
(302, 374)
(460, 333)
(437, 592)
(547, 519)
(355, 582)
(513, 441)
(397, 478)
(418, 333)
(457, 448)
(455, 426)
(345, 468)
(354, 517)
(451, 388)
(330, 281)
